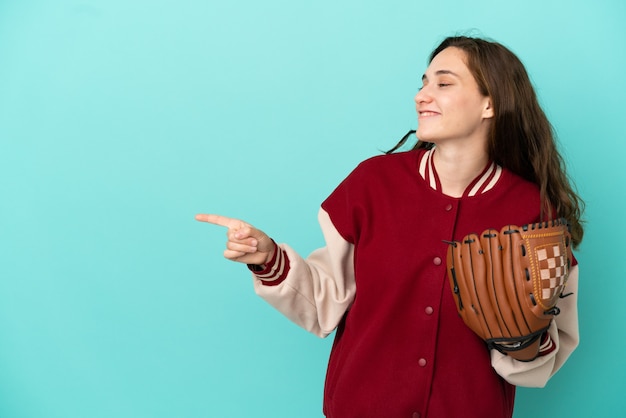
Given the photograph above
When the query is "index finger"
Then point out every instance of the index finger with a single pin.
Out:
(219, 220)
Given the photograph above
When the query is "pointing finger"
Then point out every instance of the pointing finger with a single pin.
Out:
(219, 220)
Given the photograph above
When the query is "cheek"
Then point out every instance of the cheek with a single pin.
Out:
(470, 107)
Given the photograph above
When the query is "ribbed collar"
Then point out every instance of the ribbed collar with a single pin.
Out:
(484, 182)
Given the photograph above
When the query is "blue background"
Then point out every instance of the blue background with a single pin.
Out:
(122, 119)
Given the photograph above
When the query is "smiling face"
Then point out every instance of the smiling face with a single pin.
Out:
(449, 105)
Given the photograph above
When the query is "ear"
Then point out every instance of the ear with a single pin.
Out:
(488, 109)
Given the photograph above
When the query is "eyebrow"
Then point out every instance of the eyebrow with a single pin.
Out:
(442, 72)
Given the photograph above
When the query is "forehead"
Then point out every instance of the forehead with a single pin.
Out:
(449, 61)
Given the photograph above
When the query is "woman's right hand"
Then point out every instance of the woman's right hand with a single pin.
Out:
(245, 243)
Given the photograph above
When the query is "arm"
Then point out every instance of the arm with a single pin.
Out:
(563, 334)
(314, 292)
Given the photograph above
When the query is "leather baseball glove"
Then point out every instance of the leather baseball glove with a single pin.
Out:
(507, 283)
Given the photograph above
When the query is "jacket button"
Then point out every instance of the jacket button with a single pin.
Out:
(437, 261)
(422, 362)
(429, 310)
(416, 415)
(448, 207)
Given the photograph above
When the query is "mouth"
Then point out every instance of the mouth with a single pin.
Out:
(426, 113)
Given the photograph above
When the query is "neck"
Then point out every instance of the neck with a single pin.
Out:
(457, 168)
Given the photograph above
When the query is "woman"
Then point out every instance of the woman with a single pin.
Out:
(485, 158)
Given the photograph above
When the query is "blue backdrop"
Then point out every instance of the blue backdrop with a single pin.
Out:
(121, 119)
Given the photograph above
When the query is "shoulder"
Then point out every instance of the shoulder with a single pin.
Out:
(389, 163)
(394, 158)
(517, 184)
(374, 180)
(381, 171)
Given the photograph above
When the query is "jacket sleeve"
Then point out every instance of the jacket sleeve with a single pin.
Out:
(563, 334)
(314, 292)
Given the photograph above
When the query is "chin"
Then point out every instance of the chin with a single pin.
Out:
(425, 137)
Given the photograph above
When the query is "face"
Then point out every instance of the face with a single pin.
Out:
(449, 105)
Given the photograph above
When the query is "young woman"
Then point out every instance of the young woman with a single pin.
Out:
(485, 158)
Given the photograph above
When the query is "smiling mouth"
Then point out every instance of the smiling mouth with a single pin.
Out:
(427, 113)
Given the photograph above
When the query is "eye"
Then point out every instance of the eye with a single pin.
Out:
(444, 84)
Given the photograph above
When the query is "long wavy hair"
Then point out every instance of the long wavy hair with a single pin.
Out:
(520, 139)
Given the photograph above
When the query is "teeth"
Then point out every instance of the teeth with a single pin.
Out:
(427, 113)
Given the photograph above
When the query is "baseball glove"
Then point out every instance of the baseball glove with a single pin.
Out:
(506, 284)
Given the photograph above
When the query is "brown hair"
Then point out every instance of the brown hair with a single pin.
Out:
(521, 138)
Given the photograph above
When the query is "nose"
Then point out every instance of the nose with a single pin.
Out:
(422, 96)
